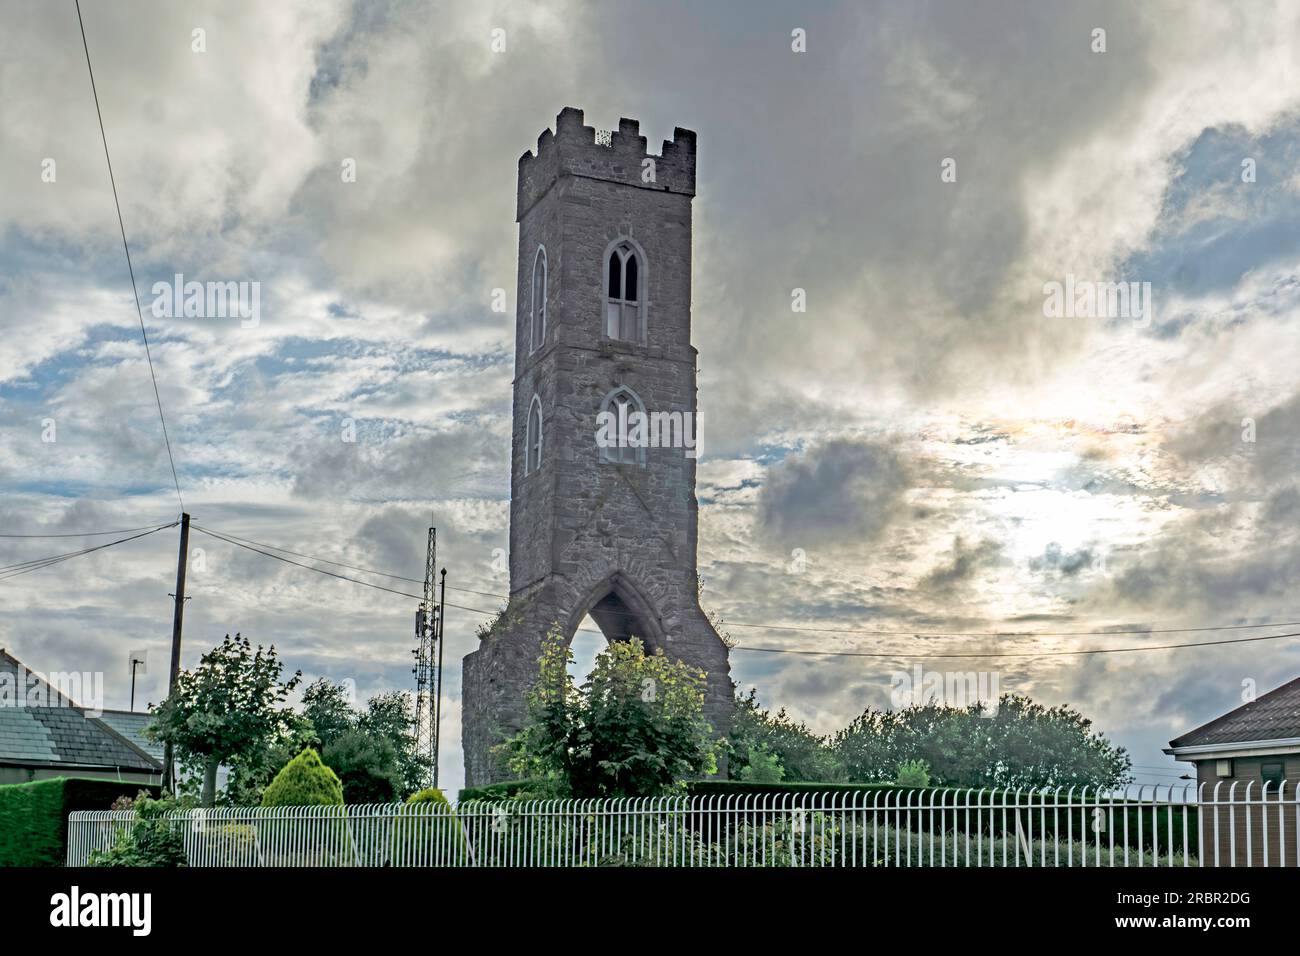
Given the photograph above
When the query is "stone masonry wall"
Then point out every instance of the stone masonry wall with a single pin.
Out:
(583, 530)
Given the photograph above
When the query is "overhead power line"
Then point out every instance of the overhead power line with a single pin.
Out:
(88, 534)
(1073, 653)
(135, 295)
(316, 557)
(279, 557)
(865, 632)
(253, 545)
(344, 577)
(802, 651)
(352, 567)
(36, 564)
(1106, 633)
(54, 557)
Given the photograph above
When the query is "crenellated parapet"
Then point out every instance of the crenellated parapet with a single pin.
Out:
(573, 150)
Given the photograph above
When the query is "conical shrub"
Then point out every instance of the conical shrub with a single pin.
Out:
(304, 782)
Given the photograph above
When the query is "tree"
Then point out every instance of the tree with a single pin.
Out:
(761, 766)
(368, 767)
(329, 708)
(1022, 744)
(635, 727)
(374, 751)
(757, 736)
(252, 769)
(391, 717)
(913, 773)
(227, 707)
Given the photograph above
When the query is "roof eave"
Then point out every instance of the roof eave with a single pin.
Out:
(1193, 752)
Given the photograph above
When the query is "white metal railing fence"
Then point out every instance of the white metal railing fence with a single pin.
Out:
(1240, 825)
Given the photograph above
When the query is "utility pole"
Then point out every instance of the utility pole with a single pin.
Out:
(437, 700)
(135, 662)
(178, 618)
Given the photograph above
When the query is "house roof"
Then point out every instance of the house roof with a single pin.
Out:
(131, 725)
(56, 732)
(1272, 716)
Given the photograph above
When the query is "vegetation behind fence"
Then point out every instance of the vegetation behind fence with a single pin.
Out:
(34, 816)
(885, 828)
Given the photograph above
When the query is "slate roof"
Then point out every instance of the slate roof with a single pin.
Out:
(1273, 716)
(60, 735)
(131, 725)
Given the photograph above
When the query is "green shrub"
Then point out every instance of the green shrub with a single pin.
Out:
(535, 788)
(30, 827)
(913, 773)
(635, 727)
(231, 844)
(304, 782)
(34, 816)
(428, 795)
(1018, 743)
(801, 753)
(151, 840)
(428, 832)
(762, 766)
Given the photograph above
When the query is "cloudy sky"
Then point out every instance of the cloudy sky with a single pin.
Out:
(923, 450)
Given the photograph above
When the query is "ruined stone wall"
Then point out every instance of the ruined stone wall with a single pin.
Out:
(586, 533)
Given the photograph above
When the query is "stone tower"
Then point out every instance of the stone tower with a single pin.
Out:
(603, 326)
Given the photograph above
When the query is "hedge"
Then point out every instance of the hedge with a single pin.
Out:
(694, 788)
(499, 791)
(712, 787)
(34, 816)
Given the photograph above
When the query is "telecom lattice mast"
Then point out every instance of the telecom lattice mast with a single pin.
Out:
(427, 666)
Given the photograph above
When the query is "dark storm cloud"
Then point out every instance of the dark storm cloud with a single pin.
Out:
(1237, 553)
(1053, 560)
(1283, 508)
(395, 538)
(962, 565)
(840, 491)
(1265, 441)
(1183, 573)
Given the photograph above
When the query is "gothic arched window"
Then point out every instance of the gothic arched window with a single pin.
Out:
(622, 428)
(537, 305)
(533, 437)
(624, 292)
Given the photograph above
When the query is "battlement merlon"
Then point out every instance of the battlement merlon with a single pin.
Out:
(572, 150)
